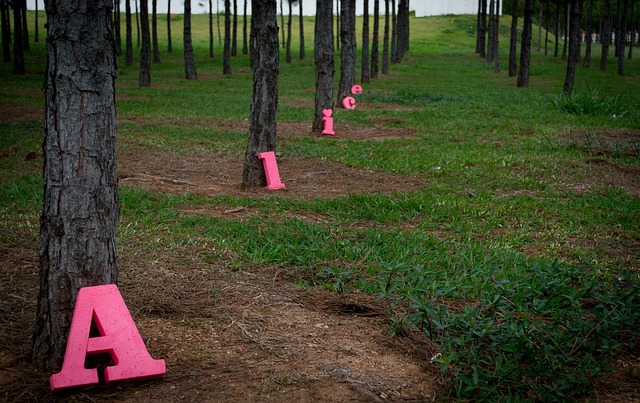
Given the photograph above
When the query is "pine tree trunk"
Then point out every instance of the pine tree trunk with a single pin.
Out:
(385, 40)
(154, 31)
(348, 49)
(565, 30)
(622, 36)
(284, 39)
(211, 39)
(323, 55)
(169, 41)
(482, 34)
(587, 53)
(234, 34)
(189, 60)
(288, 50)
(375, 41)
(18, 43)
(145, 51)
(394, 33)
(226, 53)
(22, 4)
(632, 30)
(557, 30)
(496, 40)
(513, 41)
(6, 32)
(301, 21)
(605, 36)
(575, 37)
(262, 129)
(491, 37)
(364, 72)
(525, 46)
(245, 43)
(129, 35)
(80, 207)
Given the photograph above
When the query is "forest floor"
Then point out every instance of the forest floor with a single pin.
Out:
(230, 334)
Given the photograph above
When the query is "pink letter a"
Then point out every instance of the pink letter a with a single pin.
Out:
(119, 337)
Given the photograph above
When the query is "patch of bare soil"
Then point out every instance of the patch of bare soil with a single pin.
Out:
(221, 175)
(227, 335)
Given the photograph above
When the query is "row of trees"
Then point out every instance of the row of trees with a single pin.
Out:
(77, 245)
(569, 23)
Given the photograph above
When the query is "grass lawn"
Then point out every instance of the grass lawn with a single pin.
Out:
(501, 224)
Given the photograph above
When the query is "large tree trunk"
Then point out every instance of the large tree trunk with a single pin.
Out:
(348, 51)
(525, 46)
(154, 31)
(605, 36)
(301, 21)
(226, 52)
(586, 62)
(364, 72)
(262, 129)
(129, 35)
(22, 4)
(621, 37)
(145, 51)
(323, 55)
(80, 207)
(482, 30)
(402, 45)
(513, 41)
(189, 60)
(385, 40)
(18, 43)
(575, 37)
(6, 32)
(375, 41)
(491, 37)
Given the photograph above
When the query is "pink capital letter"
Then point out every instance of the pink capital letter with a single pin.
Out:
(119, 337)
(271, 170)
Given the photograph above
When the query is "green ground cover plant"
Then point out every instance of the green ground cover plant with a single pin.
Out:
(518, 256)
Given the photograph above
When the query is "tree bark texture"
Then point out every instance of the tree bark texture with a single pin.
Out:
(301, 20)
(621, 37)
(364, 72)
(586, 62)
(154, 31)
(525, 46)
(605, 36)
(6, 32)
(234, 34)
(189, 61)
(482, 30)
(402, 45)
(385, 40)
(375, 43)
(575, 37)
(22, 5)
(348, 49)
(80, 208)
(18, 43)
(513, 40)
(394, 33)
(264, 107)
(144, 79)
(226, 52)
(129, 35)
(491, 37)
(323, 55)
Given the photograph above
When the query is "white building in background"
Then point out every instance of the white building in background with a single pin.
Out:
(423, 8)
